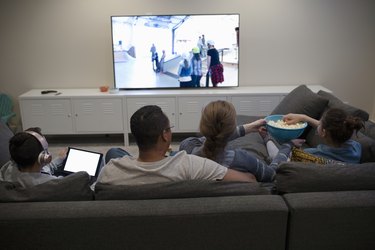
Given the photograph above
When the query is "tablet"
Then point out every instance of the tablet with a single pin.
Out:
(83, 160)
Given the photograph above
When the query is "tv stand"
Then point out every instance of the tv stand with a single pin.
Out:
(89, 111)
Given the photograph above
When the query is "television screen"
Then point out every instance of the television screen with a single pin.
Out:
(173, 51)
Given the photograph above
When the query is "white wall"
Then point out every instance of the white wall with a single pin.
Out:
(67, 44)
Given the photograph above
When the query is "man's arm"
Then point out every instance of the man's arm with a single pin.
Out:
(234, 175)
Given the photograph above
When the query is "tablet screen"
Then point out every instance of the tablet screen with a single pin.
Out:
(83, 160)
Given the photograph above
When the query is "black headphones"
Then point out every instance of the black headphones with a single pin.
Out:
(44, 157)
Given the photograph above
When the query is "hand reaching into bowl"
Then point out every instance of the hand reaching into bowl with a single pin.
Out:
(295, 118)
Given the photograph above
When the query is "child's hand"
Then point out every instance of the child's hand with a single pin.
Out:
(298, 142)
(255, 126)
(263, 132)
(62, 153)
(293, 118)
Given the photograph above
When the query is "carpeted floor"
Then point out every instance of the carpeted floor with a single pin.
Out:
(98, 143)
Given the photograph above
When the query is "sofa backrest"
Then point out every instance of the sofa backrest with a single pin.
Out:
(299, 177)
(237, 222)
(180, 189)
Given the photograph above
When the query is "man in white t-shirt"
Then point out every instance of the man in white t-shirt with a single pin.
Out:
(152, 132)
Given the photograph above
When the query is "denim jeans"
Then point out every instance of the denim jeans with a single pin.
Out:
(115, 153)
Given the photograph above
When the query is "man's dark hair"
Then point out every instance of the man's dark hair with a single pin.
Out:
(147, 124)
(24, 148)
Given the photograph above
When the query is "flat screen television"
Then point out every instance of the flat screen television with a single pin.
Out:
(139, 42)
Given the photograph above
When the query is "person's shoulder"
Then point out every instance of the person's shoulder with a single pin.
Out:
(122, 160)
(118, 165)
(352, 142)
(179, 154)
(183, 155)
(199, 161)
(355, 144)
(192, 158)
(7, 170)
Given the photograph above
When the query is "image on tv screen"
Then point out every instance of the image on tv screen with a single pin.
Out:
(175, 51)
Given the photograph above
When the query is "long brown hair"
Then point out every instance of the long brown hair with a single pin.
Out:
(217, 124)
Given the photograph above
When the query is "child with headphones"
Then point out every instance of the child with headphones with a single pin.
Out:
(31, 163)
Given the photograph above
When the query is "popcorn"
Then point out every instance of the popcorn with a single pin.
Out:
(282, 124)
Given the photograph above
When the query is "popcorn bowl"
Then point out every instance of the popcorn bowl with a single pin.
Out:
(283, 133)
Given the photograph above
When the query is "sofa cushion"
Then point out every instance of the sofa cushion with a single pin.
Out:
(252, 142)
(302, 100)
(369, 129)
(179, 189)
(334, 102)
(368, 147)
(313, 139)
(298, 177)
(70, 188)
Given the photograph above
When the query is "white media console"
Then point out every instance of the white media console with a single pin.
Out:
(89, 111)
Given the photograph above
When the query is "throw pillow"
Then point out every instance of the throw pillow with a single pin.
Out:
(313, 139)
(335, 102)
(299, 155)
(302, 100)
(299, 177)
(369, 129)
(75, 187)
(252, 142)
(180, 189)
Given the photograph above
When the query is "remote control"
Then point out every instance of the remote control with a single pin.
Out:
(43, 92)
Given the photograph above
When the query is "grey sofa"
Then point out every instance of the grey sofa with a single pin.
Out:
(308, 207)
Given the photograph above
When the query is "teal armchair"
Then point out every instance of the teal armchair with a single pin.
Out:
(6, 108)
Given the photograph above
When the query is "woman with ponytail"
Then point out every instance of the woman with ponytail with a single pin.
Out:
(218, 127)
(336, 128)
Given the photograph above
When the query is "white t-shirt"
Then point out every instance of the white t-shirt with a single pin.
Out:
(182, 166)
